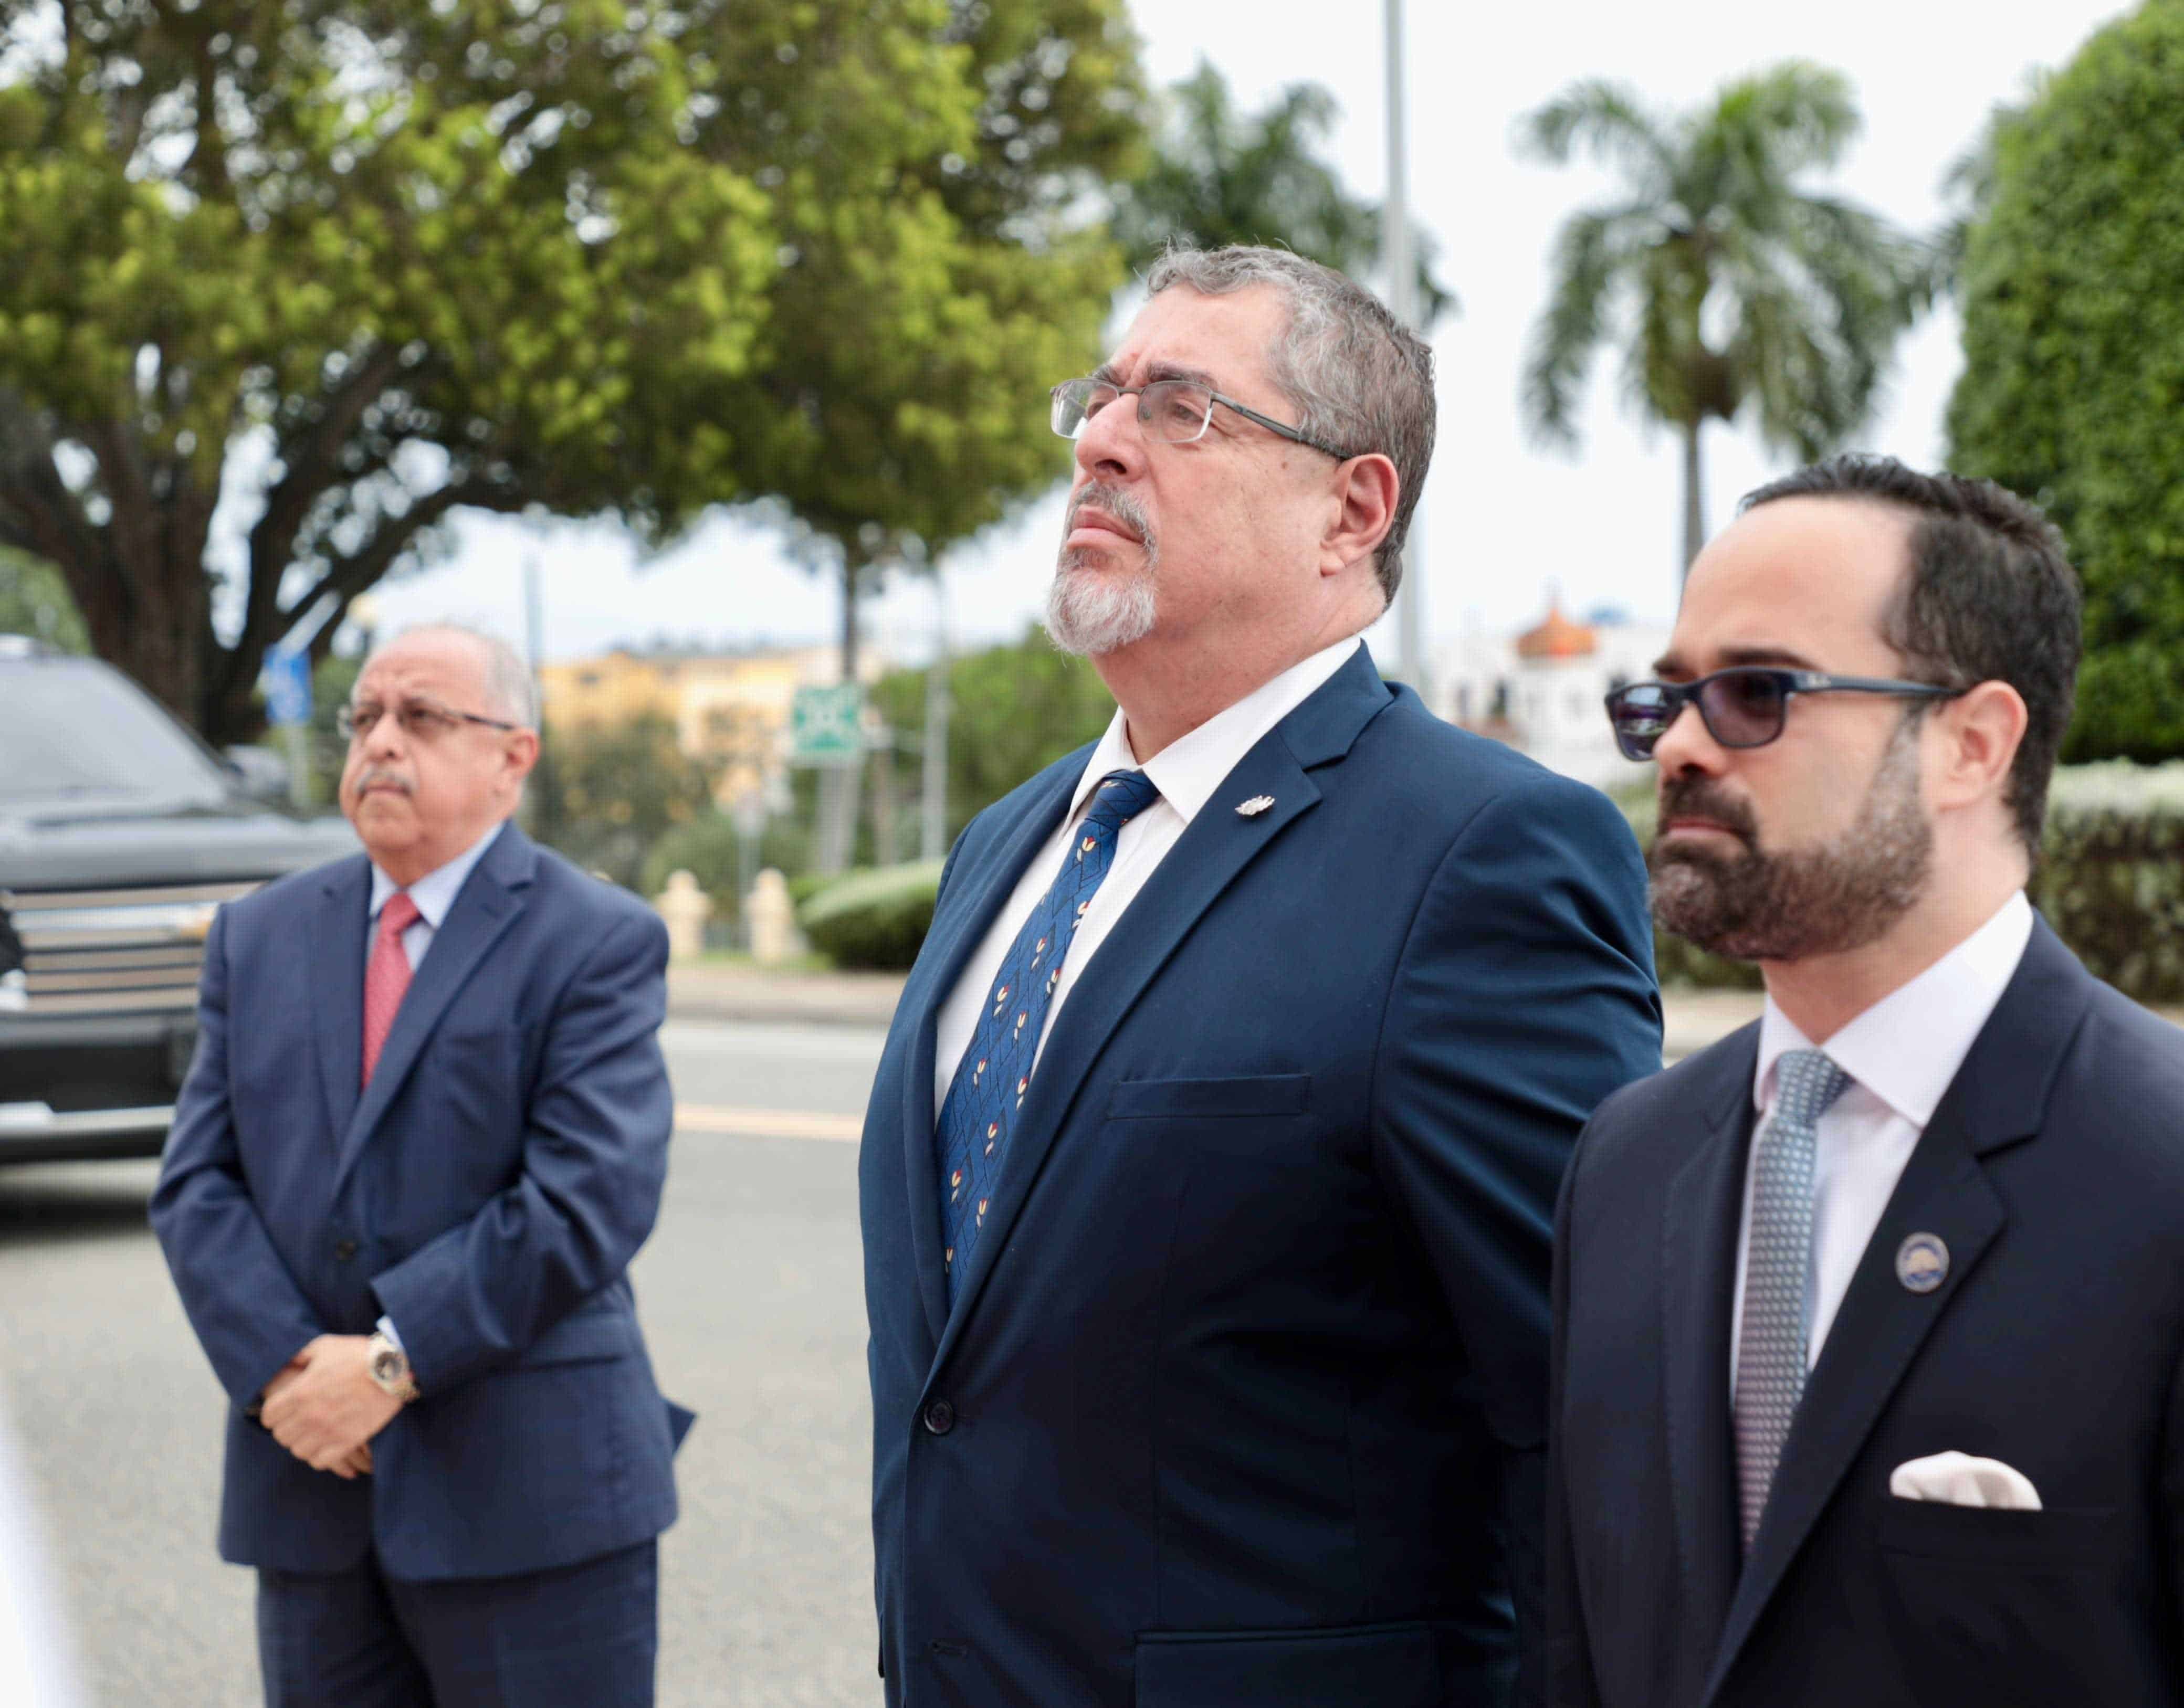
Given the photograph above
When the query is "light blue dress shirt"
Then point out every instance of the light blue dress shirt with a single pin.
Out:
(434, 893)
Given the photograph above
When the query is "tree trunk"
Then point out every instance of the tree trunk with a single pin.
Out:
(851, 570)
(1694, 499)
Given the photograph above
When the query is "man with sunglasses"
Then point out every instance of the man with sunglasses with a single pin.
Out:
(424, 1134)
(1210, 1165)
(1870, 1324)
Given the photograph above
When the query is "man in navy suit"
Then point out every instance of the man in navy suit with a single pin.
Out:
(1870, 1323)
(1208, 1173)
(424, 1133)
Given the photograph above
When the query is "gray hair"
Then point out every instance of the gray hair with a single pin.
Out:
(1359, 377)
(511, 690)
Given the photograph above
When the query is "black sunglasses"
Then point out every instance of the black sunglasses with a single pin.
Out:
(1742, 707)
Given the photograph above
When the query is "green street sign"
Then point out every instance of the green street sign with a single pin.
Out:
(826, 725)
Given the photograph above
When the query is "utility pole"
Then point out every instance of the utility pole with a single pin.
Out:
(1403, 303)
(933, 828)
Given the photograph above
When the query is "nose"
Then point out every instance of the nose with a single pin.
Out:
(1688, 747)
(384, 741)
(1112, 446)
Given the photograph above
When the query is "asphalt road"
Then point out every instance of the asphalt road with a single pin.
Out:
(750, 1293)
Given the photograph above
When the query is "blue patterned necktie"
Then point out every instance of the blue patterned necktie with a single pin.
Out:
(1771, 1344)
(972, 1136)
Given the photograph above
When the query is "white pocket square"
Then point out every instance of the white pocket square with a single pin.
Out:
(1958, 1479)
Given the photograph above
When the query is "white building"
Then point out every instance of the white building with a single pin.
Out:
(1541, 691)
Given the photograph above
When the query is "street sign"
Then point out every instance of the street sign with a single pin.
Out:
(826, 725)
(287, 680)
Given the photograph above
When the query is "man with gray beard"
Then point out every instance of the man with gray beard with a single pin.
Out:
(1869, 1329)
(1207, 1177)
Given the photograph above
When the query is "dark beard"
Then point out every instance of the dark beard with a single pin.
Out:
(1797, 903)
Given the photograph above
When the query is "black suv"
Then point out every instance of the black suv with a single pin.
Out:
(120, 834)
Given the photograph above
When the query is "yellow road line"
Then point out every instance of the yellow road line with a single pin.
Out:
(769, 1123)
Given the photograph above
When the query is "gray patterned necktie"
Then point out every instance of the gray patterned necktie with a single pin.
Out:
(1770, 1349)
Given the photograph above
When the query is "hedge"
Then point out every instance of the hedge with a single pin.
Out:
(875, 918)
(2110, 880)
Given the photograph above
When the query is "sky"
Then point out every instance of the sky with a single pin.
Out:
(1504, 524)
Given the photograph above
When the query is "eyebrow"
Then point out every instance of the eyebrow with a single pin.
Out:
(1667, 664)
(1108, 374)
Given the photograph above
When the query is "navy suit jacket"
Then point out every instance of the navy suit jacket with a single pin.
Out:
(1242, 1399)
(2054, 1171)
(487, 1193)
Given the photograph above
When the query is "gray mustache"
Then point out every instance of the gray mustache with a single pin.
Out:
(1117, 503)
(379, 776)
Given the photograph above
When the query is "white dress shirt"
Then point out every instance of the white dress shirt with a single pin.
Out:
(1900, 1054)
(1187, 772)
(434, 893)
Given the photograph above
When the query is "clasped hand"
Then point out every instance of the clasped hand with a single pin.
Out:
(324, 1408)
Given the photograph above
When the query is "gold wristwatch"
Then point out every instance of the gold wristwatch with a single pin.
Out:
(390, 1368)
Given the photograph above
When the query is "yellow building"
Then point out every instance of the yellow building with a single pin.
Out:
(730, 710)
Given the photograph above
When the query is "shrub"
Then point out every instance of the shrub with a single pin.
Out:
(873, 918)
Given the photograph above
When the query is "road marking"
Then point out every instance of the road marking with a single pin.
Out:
(769, 1123)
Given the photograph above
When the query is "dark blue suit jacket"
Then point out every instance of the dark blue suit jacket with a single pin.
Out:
(487, 1193)
(2053, 1171)
(1249, 1365)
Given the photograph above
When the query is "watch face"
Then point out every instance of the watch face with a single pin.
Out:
(389, 1366)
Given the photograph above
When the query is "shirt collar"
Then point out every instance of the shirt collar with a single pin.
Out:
(1906, 1047)
(1190, 768)
(434, 892)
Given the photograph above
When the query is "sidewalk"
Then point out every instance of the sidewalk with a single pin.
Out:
(1695, 1019)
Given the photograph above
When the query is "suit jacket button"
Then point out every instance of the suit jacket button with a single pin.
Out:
(940, 1418)
(344, 1251)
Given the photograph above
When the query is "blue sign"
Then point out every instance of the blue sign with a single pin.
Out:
(287, 680)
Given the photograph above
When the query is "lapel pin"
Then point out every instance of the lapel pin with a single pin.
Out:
(1252, 807)
(1922, 1262)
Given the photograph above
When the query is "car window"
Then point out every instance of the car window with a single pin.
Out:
(74, 731)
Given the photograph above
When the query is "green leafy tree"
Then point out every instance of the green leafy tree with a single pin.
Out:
(1016, 709)
(1219, 177)
(604, 795)
(1729, 285)
(2073, 387)
(930, 308)
(34, 601)
(369, 265)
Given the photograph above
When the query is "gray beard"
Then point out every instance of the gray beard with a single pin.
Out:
(1088, 614)
(1798, 902)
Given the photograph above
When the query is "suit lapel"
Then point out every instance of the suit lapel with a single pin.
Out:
(988, 888)
(1218, 845)
(1997, 1098)
(1698, 1272)
(338, 929)
(487, 904)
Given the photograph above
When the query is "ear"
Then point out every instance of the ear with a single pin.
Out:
(1980, 731)
(1365, 491)
(519, 755)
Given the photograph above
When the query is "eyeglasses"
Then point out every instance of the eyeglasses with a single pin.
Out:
(419, 720)
(1177, 412)
(1743, 707)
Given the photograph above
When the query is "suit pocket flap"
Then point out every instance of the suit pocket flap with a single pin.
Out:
(588, 1334)
(1388, 1665)
(1142, 1100)
(1995, 1536)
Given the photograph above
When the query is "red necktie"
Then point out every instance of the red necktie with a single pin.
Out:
(386, 977)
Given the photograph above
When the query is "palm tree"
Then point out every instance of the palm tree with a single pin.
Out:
(1219, 177)
(1725, 281)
